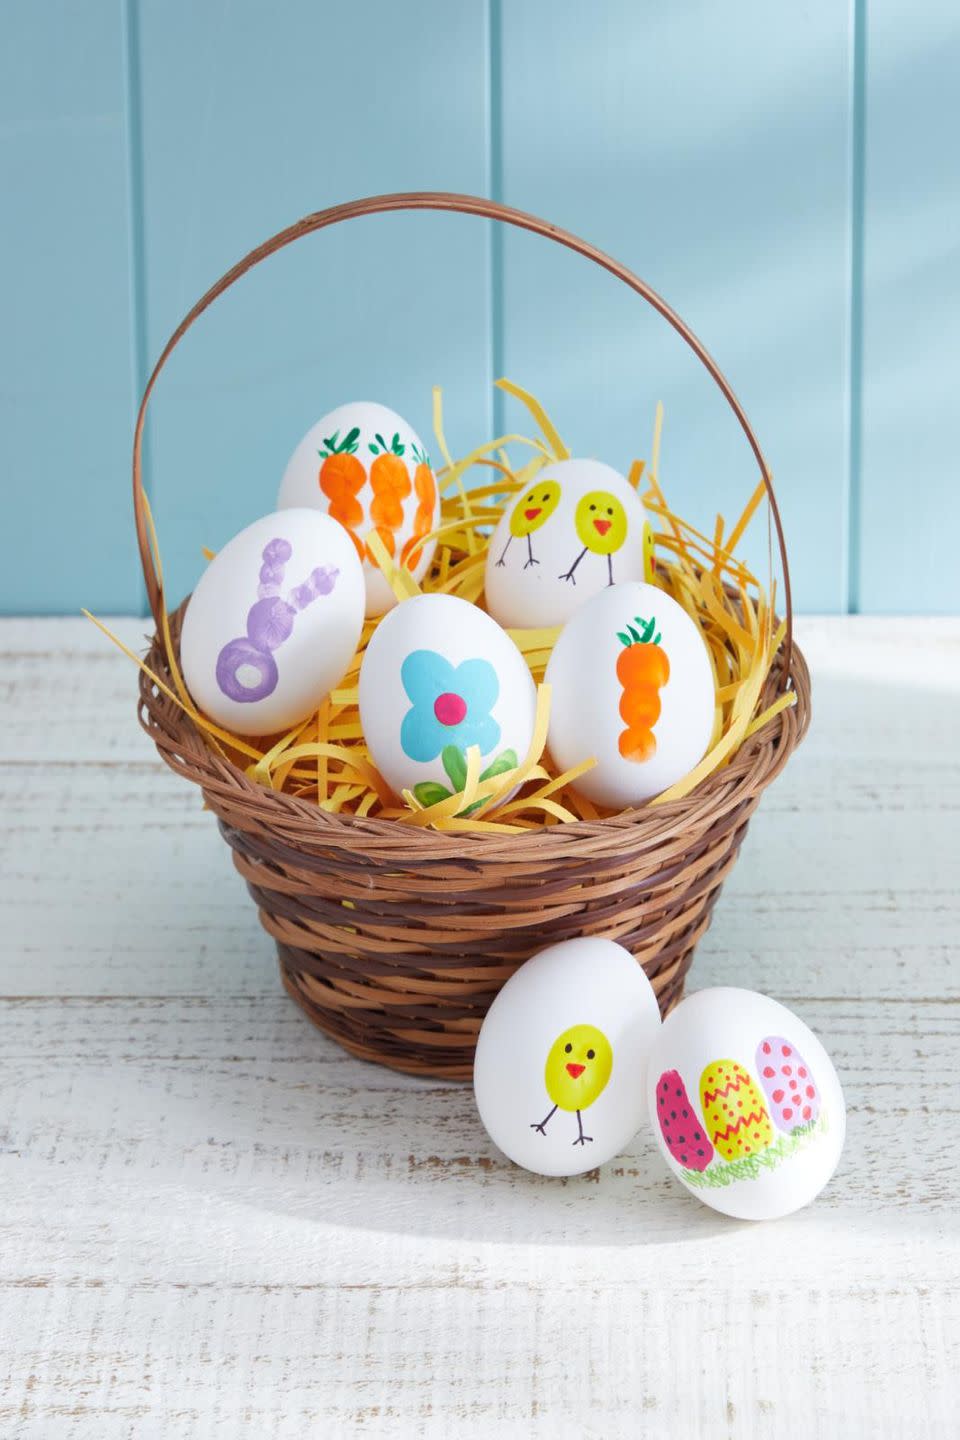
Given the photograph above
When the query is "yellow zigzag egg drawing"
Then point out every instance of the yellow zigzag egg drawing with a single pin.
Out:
(735, 1116)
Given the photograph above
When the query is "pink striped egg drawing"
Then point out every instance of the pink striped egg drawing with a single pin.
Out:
(788, 1083)
(680, 1124)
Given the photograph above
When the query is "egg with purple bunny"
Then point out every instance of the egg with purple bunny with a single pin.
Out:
(273, 622)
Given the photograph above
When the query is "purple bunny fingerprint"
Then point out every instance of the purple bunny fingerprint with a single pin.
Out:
(270, 622)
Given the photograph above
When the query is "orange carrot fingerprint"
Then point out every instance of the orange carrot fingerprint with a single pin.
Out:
(425, 489)
(341, 479)
(642, 669)
(390, 483)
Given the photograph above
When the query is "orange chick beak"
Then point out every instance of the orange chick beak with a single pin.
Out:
(575, 1070)
(602, 526)
(531, 514)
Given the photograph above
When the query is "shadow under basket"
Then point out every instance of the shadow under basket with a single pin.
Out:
(395, 939)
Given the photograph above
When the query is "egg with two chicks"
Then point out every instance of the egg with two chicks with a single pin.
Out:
(576, 528)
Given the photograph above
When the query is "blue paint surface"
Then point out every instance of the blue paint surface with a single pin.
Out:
(786, 177)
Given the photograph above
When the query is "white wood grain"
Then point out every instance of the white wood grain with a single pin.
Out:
(213, 1223)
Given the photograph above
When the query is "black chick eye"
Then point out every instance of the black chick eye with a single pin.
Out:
(590, 1054)
(593, 507)
(567, 1049)
(609, 510)
(544, 498)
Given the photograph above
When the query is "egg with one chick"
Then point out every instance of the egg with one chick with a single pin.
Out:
(576, 528)
(368, 469)
(560, 1063)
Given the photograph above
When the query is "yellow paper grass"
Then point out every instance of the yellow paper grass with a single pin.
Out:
(325, 758)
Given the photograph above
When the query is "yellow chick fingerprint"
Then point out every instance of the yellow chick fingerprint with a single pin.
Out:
(532, 510)
(601, 525)
(578, 1067)
(649, 553)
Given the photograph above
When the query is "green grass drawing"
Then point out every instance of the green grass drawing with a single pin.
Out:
(725, 1172)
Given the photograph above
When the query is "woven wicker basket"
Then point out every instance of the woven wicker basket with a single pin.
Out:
(438, 921)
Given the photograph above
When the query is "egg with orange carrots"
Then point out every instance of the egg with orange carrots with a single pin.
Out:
(745, 1104)
(632, 690)
(560, 1063)
(369, 470)
(575, 528)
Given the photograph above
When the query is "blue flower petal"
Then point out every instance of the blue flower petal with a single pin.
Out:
(425, 675)
(478, 683)
(482, 731)
(421, 734)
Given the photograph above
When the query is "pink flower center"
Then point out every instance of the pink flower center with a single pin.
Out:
(449, 708)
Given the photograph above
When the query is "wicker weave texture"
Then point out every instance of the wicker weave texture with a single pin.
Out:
(395, 939)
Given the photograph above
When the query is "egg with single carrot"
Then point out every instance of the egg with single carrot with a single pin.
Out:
(369, 470)
(633, 691)
(561, 1058)
(574, 528)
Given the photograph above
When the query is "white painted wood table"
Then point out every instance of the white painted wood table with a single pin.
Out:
(214, 1223)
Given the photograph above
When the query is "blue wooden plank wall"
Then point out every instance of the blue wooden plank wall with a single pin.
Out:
(787, 176)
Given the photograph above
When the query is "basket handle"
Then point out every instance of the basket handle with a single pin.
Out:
(464, 205)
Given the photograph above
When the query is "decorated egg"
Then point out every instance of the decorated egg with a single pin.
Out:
(632, 687)
(575, 529)
(364, 465)
(559, 1073)
(438, 677)
(745, 1104)
(273, 622)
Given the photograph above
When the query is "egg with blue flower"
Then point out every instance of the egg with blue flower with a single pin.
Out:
(439, 677)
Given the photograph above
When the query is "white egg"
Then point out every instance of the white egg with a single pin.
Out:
(632, 686)
(575, 529)
(273, 622)
(439, 676)
(749, 1110)
(560, 1069)
(366, 467)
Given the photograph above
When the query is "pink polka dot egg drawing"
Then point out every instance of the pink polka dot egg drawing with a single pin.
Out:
(788, 1083)
(758, 1133)
(440, 679)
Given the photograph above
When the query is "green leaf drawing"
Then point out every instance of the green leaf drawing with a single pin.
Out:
(506, 760)
(722, 1173)
(430, 792)
(455, 764)
(643, 636)
(335, 446)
